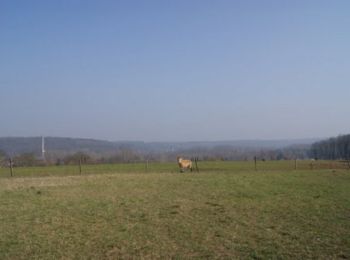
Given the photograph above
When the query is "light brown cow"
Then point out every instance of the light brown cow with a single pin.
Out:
(184, 164)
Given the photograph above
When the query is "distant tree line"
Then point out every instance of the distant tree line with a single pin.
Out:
(332, 148)
(129, 155)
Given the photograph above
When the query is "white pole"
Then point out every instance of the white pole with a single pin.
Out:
(43, 147)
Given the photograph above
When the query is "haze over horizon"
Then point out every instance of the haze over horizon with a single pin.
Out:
(293, 140)
(175, 71)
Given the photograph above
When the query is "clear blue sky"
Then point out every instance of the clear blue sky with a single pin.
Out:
(175, 70)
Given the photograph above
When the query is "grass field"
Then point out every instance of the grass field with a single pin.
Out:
(225, 211)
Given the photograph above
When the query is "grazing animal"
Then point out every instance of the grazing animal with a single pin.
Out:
(184, 164)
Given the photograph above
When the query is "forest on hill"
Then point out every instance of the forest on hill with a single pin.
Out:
(27, 151)
(336, 148)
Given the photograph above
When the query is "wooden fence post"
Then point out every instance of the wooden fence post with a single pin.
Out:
(195, 161)
(255, 163)
(295, 164)
(80, 165)
(11, 170)
(146, 165)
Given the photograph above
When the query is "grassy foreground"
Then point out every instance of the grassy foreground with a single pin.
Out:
(237, 214)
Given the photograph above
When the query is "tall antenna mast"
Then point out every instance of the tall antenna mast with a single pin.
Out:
(43, 147)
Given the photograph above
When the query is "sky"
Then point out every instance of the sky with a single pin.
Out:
(185, 70)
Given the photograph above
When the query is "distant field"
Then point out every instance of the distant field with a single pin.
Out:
(204, 166)
(225, 211)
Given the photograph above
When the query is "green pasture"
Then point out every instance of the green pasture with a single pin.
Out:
(226, 211)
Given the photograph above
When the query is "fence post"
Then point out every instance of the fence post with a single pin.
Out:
(295, 164)
(146, 165)
(255, 163)
(80, 165)
(195, 161)
(11, 170)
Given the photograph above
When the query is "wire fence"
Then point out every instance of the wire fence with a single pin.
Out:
(9, 169)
